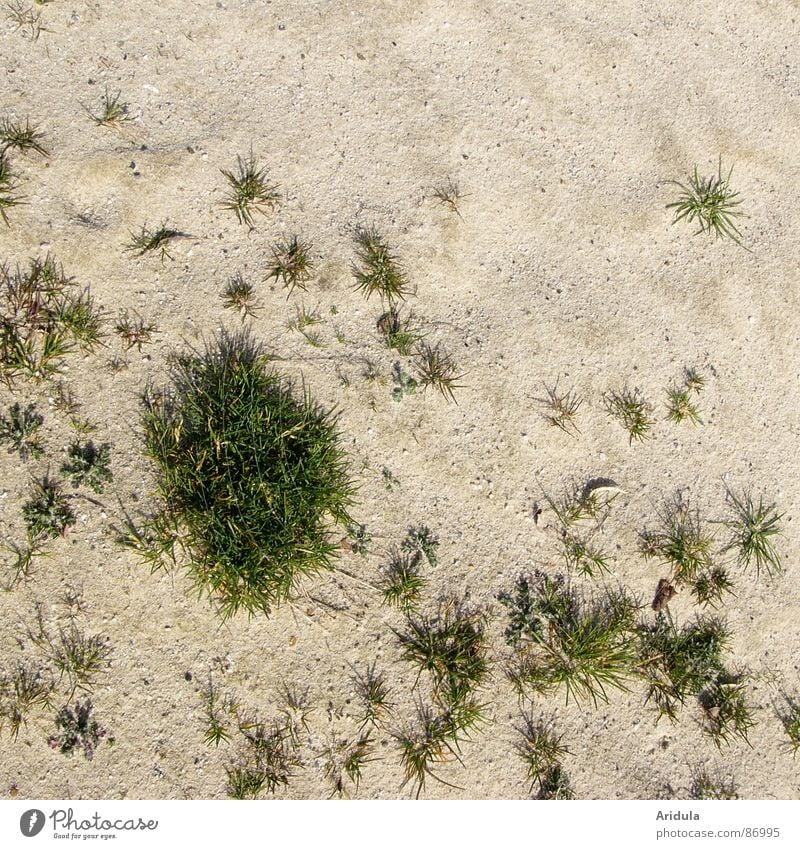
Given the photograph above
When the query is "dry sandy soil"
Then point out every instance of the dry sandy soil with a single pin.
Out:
(562, 125)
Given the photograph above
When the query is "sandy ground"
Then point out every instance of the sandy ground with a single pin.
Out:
(562, 125)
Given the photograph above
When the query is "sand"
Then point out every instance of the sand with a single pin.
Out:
(562, 126)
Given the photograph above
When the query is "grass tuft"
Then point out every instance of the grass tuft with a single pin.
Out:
(154, 239)
(113, 111)
(437, 368)
(711, 202)
(47, 512)
(561, 408)
(254, 475)
(753, 531)
(239, 294)
(249, 190)
(377, 269)
(630, 408)
(291, 264)
(584, 645)
(21, 138)
(541, 752)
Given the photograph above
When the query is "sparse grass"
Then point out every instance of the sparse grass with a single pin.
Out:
(581, 556)
(561, 639)
(681, 408)
(790, 719)
(681, 663)
(113, 112)
(77, 730)
(436, 367)
(403, 584)
(240, 295)
(216, 727)
(291, 264)
(255, 476)
(154, 239)
(711, 587)
(249, 190)
(449, 195)
(41, 320)
(541, 752)
(727, 713)
(81, 657)
(436, 740)
(707, 786)
(344, 761)
(24, 139)
(452, 647)
(47, 513)
(27, 19)
(631, 409)
(134, 330)
(21, 431)
(81, 318)
(267, 763)
(711, 202)
(754, 529)
(561, 408)
(681, 541)
(377, 269)
(22, 560)
(584, 502)
(88, 464)
(8, 185)
(373, 691)
(24, 688)
(398, 333)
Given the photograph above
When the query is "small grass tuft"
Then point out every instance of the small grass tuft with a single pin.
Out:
(630, 408)
(21, 138)
(437, 368)
(707, 786)
(541, 752)
(249, 190)
(374, 694)
(681, 541)
(561, 408)
(154, 239)
(753, 530)
(790, 719)
(711, 202)
(377, 269)
(398, 333)
(403, 584)
(291, 264)
(113, 111)
(727, 713)
(678, 664)
(562, 639)
(239, 294)
(452, 646)
(134, 330)
(449, 195)
(8, 185)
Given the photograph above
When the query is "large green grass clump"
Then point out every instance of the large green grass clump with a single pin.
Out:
(252, 475)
